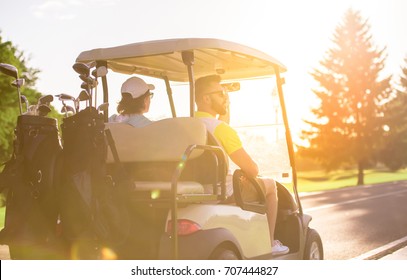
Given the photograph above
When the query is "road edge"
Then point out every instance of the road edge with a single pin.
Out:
(383, 250)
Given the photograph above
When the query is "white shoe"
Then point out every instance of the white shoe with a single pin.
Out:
(279, 249)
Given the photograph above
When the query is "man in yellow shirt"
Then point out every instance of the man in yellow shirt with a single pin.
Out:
(212, 102)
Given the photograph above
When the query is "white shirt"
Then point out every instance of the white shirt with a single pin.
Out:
(136, 120)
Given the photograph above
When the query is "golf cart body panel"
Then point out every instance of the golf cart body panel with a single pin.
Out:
(200, 245)
(243, 225)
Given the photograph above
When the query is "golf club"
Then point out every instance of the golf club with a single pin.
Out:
(102, 107)
(32, 110)
(9, 70)
(100, 71)
(81, 68)
(45, 99)
(12, 71)
(63, 97)
(89, 80)
(83, 96)
(43, 110)
(18, 83)
(27, 104)
(67, 109)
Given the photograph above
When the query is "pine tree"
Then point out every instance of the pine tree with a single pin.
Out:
(348, 124)
(394, 153)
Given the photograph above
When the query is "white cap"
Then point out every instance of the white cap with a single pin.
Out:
(136, 87)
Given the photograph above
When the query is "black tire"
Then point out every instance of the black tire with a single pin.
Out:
(313, 246)
(224, 254)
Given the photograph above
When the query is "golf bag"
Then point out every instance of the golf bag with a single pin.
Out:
(29, 178)
(93, 210)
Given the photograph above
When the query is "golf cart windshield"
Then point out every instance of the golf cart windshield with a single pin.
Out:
(257, 116)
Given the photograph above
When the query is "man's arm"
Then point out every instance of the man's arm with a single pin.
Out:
(242, 159)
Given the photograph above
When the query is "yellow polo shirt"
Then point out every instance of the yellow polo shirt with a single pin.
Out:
(225, 134)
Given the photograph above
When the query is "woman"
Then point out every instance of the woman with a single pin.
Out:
(136, 98)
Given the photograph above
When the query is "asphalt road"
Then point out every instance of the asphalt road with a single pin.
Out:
(356, 220)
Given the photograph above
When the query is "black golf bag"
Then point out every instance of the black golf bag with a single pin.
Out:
(29, 178)
(93, 209)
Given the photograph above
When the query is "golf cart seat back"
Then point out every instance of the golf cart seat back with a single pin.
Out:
(152, 153)
(161, 141)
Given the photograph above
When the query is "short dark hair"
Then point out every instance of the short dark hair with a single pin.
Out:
(202, 84)
(129, 105)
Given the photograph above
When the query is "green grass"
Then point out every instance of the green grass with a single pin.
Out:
(311, 181)
(2, 215)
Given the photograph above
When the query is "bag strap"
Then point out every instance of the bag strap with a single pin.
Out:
(112, 145)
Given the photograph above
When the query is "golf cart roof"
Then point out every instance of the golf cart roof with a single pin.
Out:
(163, 58)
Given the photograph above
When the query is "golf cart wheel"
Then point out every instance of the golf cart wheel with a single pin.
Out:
(223, 254)
(313, 246)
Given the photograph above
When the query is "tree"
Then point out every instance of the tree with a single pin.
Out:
(8, 95)
(348, 124)
(394, 152)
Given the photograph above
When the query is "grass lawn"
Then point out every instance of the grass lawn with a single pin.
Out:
(2, 215)
(311, 181)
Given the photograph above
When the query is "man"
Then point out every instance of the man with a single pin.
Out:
(212, 102)
(136, 100)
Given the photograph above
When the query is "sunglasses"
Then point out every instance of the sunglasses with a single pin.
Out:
(220, 93)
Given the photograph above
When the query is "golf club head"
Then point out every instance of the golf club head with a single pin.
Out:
(31, 110)
(43, 110)
(103, 107)
(68, 110)
(86, 85)
(84, 78)
(83, 95)
(64, 96)
(45, 99)
(9, 70)
(25, 100)
(89, 80)
(101, 71)
(18, 82)
(81, 68)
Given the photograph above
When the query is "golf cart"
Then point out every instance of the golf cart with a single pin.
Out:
(178, 204)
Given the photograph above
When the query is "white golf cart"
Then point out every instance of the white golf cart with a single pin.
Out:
(179, 205)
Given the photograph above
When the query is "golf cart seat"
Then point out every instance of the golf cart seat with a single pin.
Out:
(154, 153)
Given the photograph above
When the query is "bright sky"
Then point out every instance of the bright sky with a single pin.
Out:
(298, 33)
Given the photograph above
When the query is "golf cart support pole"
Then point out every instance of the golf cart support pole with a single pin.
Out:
(218, 155)
(290, 145)
(188, 59)
(170, 99)
(105, 89)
